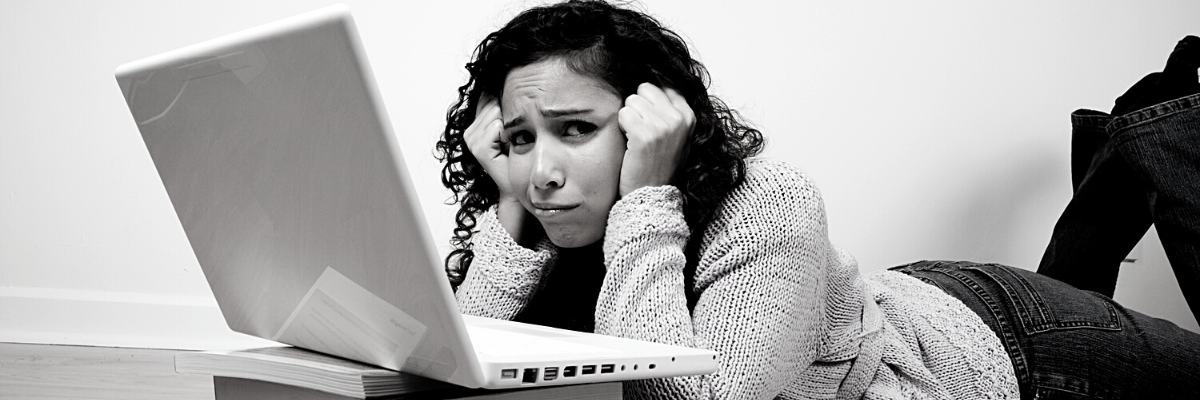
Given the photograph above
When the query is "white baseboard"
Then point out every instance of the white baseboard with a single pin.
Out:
(94, 318)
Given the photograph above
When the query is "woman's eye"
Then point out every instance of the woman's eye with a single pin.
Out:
(576, 128)
(521, 138)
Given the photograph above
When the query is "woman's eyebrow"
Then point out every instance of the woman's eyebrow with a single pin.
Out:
(548, 114)
(563, 113)
(516, 121)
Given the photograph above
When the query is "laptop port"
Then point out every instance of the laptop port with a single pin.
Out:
(588, 370)
(530, 375)
(550, 374)
(569, 371)
(607, 368)
(510, 373)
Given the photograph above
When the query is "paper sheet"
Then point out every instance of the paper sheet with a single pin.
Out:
(340, 317)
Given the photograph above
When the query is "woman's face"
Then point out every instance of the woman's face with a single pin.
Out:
(565, 148)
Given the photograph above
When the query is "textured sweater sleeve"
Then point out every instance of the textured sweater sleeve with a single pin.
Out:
(504, 275)
(759, 281)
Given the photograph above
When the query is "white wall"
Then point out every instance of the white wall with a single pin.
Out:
(936, 130)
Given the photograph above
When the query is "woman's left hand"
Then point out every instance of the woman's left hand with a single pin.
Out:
(657, 124)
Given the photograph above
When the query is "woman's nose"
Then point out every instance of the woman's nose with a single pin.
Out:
(547, 166)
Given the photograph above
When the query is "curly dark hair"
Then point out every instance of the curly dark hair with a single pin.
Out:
(619, 46)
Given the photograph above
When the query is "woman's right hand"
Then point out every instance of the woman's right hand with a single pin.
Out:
(483, 141)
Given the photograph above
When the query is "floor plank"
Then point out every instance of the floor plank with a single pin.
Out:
(38, 371)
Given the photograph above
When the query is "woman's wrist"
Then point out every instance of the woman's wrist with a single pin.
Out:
(515, 220)
(653, 210)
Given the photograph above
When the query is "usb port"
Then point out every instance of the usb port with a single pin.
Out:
(510, 373)
(550, 374)
(588, 370)
(569, 371)
(530, 375)
(606, 368)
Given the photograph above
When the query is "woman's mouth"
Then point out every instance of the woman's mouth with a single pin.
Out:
(549, 210)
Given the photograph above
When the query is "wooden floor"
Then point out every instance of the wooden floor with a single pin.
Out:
(38, 371)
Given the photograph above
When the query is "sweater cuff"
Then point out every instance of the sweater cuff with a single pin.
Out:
(647, 212)
(504, 263)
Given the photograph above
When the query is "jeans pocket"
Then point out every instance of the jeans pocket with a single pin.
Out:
(1043, 304)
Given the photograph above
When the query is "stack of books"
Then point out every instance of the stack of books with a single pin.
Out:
(294, 373)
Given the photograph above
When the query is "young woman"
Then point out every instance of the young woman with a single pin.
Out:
(603, 189)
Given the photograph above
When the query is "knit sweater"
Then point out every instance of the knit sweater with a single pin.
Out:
(788, 312)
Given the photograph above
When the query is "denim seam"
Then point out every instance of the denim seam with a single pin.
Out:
(1038, 303)
(1011, 342)
(907, 268)
(931, 282)
(1045, 392)
(1152, 113)
(1023, 310)
(1049, 322)
(1090, 119)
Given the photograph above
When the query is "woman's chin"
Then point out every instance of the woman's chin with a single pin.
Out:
(571, 240)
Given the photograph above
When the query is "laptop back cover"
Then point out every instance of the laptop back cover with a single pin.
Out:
(280, 162)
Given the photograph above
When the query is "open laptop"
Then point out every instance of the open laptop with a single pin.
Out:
(277, 154)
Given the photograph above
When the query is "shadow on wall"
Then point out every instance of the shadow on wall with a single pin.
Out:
(1147, 286)
(1000, 205)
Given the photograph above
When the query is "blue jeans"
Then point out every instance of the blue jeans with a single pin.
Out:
(1130, 171)
(1067, 343)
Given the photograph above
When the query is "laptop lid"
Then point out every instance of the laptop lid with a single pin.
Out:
(278, 156)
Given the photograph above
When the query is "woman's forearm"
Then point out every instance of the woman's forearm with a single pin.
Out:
(504, 274)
